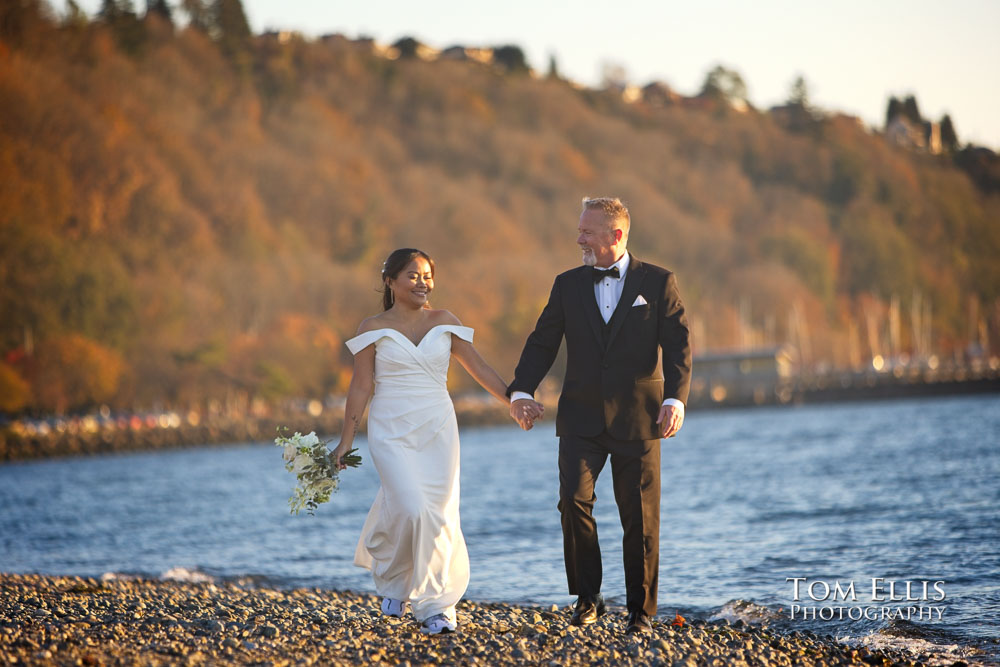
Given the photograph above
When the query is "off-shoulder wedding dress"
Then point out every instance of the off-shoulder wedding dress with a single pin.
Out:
(412, 539)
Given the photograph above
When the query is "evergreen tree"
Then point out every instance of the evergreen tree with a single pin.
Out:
(510, 58)
(724, 83)
(407, 47)
(894, 109)
(949, 139)
(232, 27)
(110, 11)
(199, 15)
(161, 9)
(799, 94)
(553, 72)
(121, 17)
(911, 111)
(75, 17)
(18, 18)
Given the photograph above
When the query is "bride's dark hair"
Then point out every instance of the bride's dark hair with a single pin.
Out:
(393, 266)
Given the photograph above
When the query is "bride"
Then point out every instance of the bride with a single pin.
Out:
(412, 539)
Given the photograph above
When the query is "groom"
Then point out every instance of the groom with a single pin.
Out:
(619, 316)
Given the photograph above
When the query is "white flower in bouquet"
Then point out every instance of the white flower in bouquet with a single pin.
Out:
(316, 473)
(302, 461)
(310, 440)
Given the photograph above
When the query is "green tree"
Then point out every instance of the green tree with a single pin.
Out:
(893, 109)
(511, 59)
(120, 16)
(109, 10)
(878, 257)
(799, 93)
(19, 18)
(232, 27)
(54, 286)
(912, 111)
(806, 257)
(553, 72)
(75, 17)
(726, 84)
(199, 15)
(850, 178)
(407, 47)
(160, 8)
(949, 139)
(115, 10)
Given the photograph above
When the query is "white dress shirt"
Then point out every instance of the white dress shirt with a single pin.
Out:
(608, 292)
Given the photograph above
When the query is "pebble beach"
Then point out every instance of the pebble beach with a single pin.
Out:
(46, 620)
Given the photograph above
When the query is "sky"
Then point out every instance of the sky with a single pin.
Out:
(853, 54)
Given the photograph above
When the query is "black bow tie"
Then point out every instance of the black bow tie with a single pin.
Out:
(601, 274)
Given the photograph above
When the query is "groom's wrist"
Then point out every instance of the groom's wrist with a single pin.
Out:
(520, 396)
(675, 403)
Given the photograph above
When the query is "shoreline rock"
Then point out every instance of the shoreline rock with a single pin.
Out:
(18, 446)
(53, 620)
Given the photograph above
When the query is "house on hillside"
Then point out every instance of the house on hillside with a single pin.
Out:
(457, 52)
(659, 94)
(932, 133)
(710, 103)
(631, 93)
(408, 47)
(282, 36)
(794, 116)
(903, 132)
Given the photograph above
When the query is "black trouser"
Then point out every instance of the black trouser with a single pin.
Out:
(635, 469)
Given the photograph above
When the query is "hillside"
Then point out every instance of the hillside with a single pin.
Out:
(185, 219)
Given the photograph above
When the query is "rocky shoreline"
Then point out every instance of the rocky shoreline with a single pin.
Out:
(82, 437)
(47, 620)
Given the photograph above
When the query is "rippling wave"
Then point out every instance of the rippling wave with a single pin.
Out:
(903, 491)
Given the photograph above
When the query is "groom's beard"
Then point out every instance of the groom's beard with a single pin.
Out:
(589, 258)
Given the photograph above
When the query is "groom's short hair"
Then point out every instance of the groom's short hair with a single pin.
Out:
(614, 210)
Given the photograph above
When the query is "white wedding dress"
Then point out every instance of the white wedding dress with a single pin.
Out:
(412, 540)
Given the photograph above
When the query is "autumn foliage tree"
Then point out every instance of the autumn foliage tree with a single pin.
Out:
(207, 214)
(15, 392)
(72, 372)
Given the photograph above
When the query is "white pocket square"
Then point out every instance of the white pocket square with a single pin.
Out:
(639, 301)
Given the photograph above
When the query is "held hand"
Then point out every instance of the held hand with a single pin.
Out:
(525, 412)
(338, 455)
(670, 420)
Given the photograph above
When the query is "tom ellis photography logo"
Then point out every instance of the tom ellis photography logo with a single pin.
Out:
(875, 599)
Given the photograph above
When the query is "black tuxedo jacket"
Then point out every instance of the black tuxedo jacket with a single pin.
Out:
(614, 377)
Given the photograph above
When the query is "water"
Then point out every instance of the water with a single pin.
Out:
(903, 491)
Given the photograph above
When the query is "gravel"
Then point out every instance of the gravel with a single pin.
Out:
(48, 620)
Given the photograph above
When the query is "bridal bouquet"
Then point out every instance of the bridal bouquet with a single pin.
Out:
(314, 468)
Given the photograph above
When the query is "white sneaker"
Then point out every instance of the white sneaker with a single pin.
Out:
(394, 608)
(438, 624)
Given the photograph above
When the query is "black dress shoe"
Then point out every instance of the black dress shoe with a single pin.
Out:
(638, 621)
(587, 610)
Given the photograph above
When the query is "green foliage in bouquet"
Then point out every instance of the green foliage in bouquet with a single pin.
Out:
(316, 472)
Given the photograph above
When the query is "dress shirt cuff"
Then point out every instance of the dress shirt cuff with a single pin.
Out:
(520, 395)
(674, 402)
